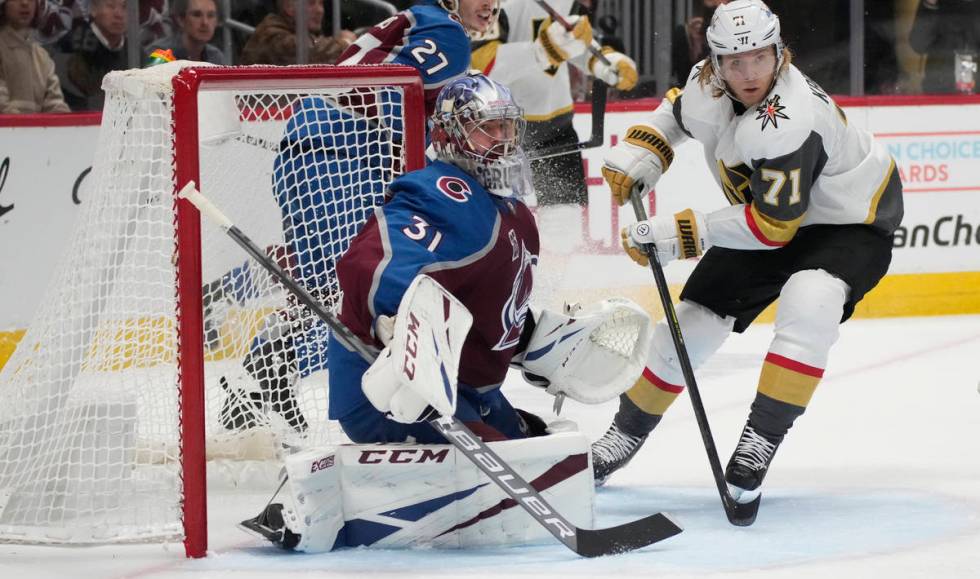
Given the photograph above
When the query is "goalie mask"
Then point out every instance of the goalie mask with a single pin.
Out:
(739, 27)
(478, 127)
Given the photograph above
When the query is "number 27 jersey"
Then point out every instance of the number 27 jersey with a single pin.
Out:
(425, 37)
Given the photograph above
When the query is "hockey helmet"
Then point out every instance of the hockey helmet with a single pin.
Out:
(478, 127)
(742, 26)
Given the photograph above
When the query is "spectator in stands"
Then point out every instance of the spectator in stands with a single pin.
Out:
(196, 22)
(54, 20)
(155, 21)
(95, 47)
(819, 33)
(57, 17)
(28, 83)
(688, 45)
(274, 40)
(943, 29)
(880, 54)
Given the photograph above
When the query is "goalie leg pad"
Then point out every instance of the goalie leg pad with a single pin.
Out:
(398, 496)
(405, 495)
(315, 508)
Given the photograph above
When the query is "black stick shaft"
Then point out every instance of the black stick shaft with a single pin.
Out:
(685, 361)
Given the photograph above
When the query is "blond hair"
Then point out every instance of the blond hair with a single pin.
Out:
(707, 76)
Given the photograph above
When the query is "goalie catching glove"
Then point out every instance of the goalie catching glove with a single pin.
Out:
(591, 356)
(416, 372)
(640, 159)
(620, 73)
(680, 236)
(555, 45)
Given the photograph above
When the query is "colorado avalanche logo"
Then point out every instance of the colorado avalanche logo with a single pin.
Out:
(454, 188)
(515, 310)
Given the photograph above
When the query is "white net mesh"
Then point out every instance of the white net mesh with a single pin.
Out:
(89, 428)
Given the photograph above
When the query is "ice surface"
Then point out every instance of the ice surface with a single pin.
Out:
(880, 478)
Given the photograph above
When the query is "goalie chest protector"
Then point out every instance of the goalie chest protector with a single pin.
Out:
(482, 248)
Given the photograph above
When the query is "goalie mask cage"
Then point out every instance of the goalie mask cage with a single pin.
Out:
(159, 348)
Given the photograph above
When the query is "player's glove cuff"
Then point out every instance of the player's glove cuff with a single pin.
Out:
(555, 45)
(683, 235)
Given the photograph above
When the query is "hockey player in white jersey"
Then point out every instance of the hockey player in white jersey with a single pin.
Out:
(814, 202)
(530, 53)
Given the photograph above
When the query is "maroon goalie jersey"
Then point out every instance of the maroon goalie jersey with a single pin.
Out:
(482, 248)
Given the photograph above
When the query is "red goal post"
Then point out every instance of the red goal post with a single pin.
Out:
(187, 84)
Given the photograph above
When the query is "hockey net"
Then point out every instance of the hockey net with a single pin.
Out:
(158, 344)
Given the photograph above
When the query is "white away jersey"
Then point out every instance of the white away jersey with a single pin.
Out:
(791, 161)
(507, 56)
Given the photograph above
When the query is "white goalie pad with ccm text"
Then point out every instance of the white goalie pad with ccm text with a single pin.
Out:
(399, 495)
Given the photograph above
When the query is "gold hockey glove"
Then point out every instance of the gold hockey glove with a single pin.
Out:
(639, 158)
(555, 45)
(620, 73)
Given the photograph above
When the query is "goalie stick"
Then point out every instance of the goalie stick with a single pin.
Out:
(738, 514)
(585, 542)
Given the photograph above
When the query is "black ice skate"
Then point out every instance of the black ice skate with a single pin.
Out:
(612, 452)
(243, 410)
(240, 410)
(271, 525)
(746, 470)
(284, 403)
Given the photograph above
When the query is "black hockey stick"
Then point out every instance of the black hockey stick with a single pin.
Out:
(600, 92)
(738, 514)
(585, 542)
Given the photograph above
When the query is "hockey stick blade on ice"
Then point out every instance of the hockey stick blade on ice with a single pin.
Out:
(738, 514)
(585, 542)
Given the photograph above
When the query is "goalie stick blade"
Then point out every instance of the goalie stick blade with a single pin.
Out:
(627, 537)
